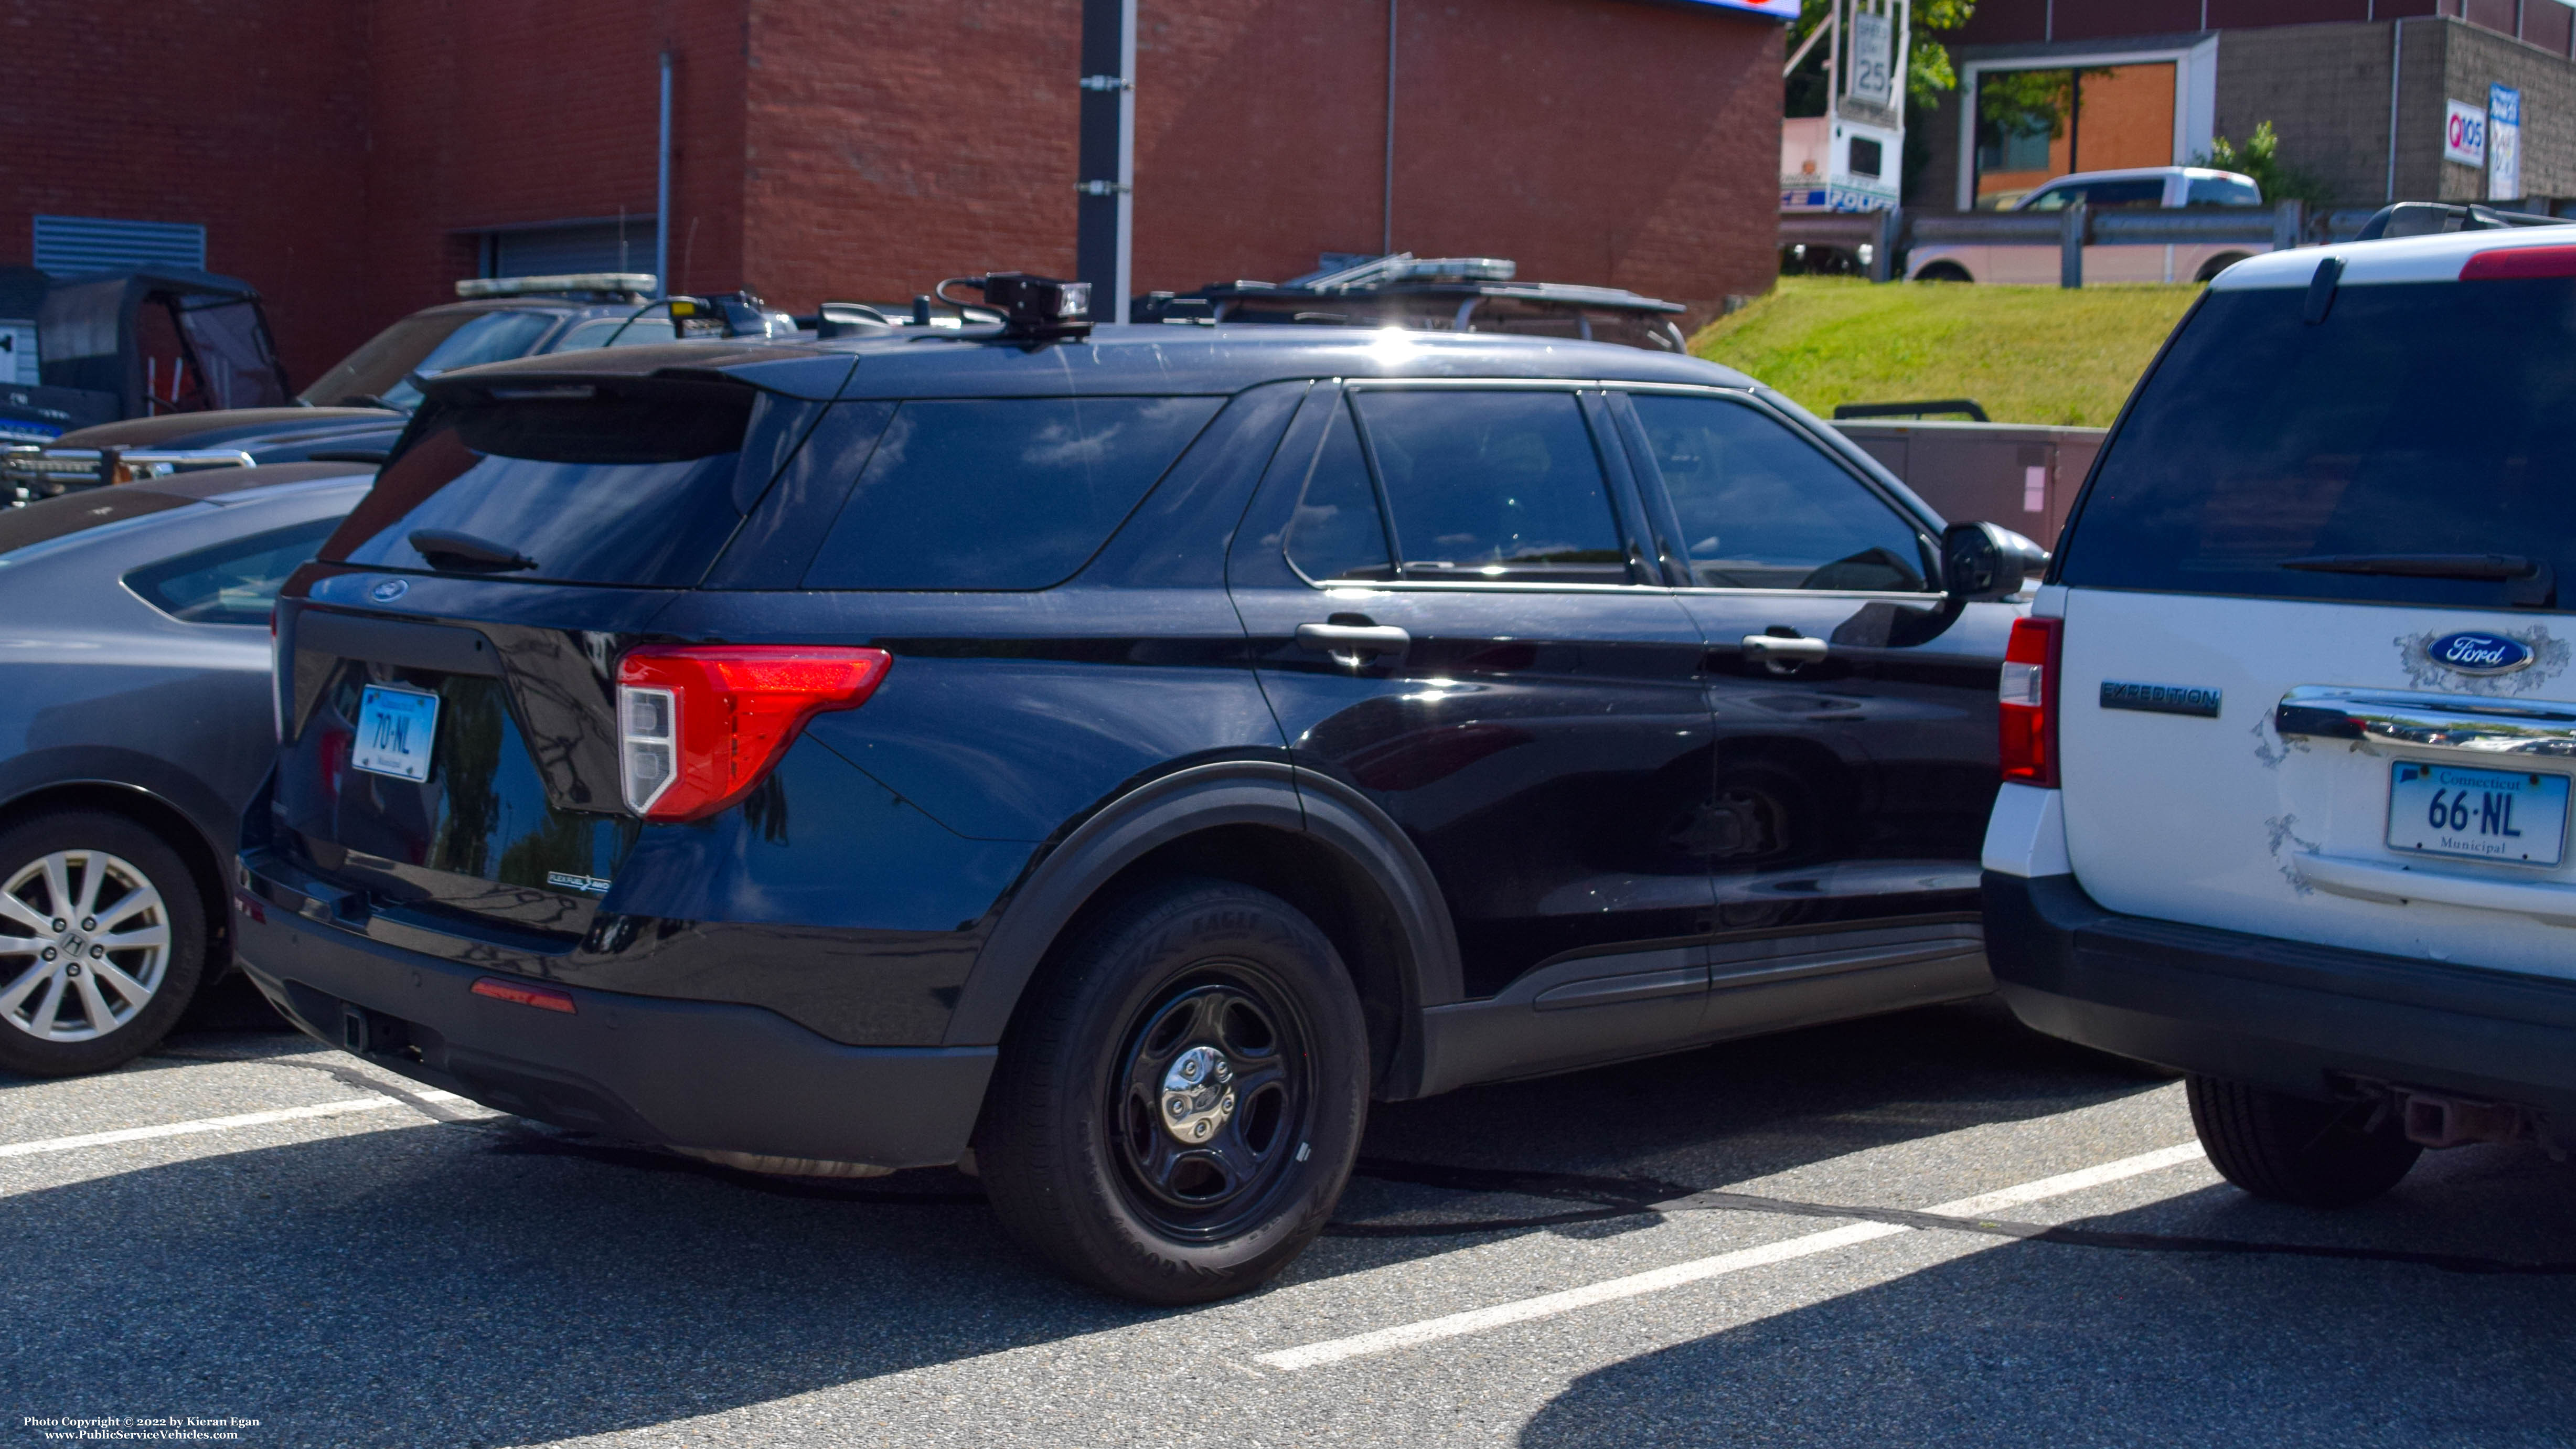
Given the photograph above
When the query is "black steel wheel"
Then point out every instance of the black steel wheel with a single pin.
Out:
(1180, 1096)
(1212, 1101)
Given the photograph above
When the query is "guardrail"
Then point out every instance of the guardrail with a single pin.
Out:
(1884, 236)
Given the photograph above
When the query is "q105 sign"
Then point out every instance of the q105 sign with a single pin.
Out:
(2464, 134)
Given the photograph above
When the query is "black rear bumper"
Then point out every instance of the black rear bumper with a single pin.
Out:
(713, 1075)
(2304, 1019)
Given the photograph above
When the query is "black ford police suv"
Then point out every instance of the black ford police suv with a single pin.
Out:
(1107, 762)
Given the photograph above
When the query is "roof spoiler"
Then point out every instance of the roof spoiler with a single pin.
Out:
(2432, 218)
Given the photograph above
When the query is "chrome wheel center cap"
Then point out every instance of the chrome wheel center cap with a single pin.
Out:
(1198, 1095)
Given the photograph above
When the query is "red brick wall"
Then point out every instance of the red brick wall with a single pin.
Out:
(1607, 143)
(345, 153)
(1621, 144)
(486, 113)
(244, 117)
(888, 146)
(1590, 140)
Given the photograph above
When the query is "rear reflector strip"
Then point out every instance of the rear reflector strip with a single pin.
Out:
(2505, 264)
(541, 997)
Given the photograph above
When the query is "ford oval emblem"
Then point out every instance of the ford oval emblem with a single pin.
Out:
(392, 589)
(2471, 653)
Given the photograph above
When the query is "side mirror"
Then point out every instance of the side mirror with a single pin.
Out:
(1988, 561)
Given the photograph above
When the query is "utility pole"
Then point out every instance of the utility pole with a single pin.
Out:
(1105, 217)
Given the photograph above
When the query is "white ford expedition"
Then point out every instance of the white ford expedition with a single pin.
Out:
(2289, 733)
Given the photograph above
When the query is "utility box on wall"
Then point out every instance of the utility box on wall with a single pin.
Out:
(2022, 476)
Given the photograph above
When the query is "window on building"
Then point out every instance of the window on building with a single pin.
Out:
(559, 249)
(2036, 125)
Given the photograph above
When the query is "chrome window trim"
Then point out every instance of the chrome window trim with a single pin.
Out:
(1702, 589)
(1492, 586)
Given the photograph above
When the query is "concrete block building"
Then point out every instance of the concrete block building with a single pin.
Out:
(2359, 91)
(354, 158)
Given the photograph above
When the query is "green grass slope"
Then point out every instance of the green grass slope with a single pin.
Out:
(2029, 354)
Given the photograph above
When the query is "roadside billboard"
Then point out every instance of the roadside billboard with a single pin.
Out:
(2504, 142)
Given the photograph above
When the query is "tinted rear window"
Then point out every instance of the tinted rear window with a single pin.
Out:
(233, 582)
(624, 483)
(1001, 493)
(2421, 419)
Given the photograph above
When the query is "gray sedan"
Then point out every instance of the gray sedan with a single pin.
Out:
(135, 722)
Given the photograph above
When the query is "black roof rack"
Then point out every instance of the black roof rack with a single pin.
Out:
(1448, 294)
(2431, 218)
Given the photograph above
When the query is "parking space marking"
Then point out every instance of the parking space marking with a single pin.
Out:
(1549, 1305)
(216, 1124)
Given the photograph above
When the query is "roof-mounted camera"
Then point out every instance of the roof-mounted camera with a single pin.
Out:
(1039, 309)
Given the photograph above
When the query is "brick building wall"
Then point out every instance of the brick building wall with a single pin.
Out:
(245, 117)
(888, 147)
(349, 156)
(2324, 88)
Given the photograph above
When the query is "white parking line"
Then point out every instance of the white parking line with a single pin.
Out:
(219, 1124)
(1548, 1305)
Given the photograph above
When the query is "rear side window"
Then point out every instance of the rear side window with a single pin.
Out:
(1763, 508)
(2222, 191)
(1001, 493)
(233, 582)
(1337, 532)
(629, 482)
(2274, 458)
(1500, 485)
(614, 332)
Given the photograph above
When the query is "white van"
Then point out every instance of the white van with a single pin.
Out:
(2290, 732)
(2036, 263)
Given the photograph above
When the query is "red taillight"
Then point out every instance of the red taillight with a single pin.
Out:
(2028, 696)
(698, 725)
(543, 998)
(2506, 264)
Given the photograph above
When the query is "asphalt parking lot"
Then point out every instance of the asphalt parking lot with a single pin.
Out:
(1930, 1228)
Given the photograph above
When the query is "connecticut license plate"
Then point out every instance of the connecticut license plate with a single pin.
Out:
(394, 730)
(2507, 815)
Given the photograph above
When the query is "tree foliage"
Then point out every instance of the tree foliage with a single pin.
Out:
(2259, 157)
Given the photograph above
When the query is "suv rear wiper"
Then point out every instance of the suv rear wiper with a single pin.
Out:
(464, 553)
(2527, 581)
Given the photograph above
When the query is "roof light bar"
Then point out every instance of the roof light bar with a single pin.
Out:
(634, 284)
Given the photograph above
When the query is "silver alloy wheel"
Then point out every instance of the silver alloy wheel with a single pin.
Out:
(94, 938)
